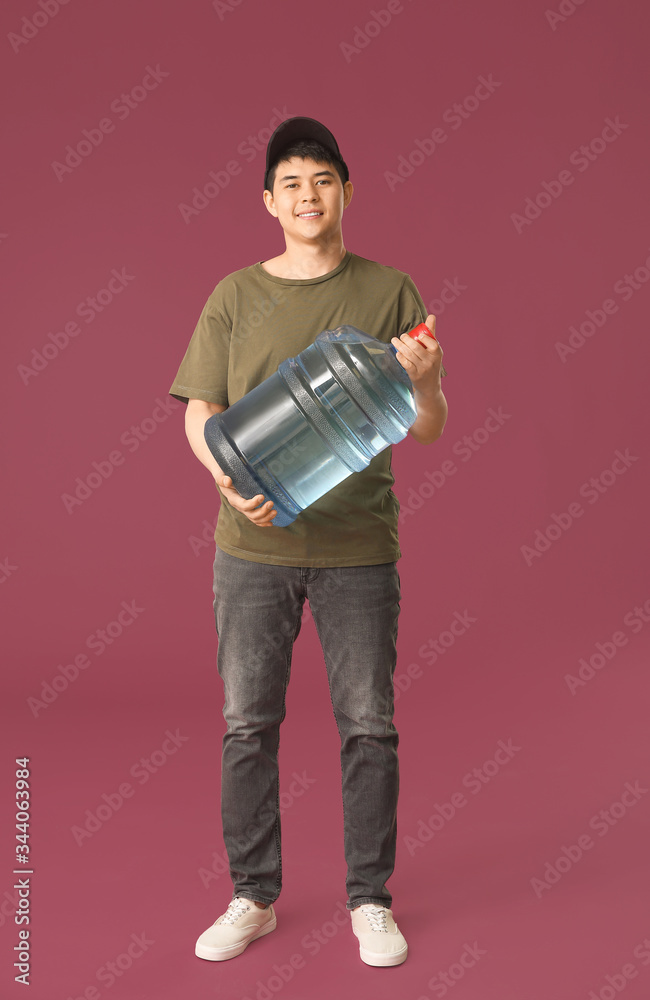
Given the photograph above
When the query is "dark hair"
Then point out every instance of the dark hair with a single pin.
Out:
(308, 149)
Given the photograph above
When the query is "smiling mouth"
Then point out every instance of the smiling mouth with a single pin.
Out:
(309, 215)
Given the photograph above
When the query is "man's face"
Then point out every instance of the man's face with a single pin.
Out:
(308, 199)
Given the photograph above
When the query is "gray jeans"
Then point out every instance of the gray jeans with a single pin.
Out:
(258, 611)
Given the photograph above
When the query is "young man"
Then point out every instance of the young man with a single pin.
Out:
(340, 553)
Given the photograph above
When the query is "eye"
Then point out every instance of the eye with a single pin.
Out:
(321, 180)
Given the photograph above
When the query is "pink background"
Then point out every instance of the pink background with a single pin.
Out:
(150, 867)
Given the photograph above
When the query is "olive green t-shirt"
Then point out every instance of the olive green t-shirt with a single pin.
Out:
(252, 322)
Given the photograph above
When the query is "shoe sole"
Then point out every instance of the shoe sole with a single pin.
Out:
(377, 958)
(223, 954)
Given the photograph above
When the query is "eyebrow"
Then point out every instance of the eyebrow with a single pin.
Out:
(295, 177)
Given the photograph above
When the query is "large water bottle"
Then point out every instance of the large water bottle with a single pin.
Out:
(322, 416)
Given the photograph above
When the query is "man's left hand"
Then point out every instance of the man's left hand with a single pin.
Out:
(421, 359)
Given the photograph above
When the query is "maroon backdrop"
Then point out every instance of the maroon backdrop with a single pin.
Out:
(499, 153)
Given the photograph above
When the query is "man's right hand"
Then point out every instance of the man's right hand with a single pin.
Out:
(262, 516)
(197, 414)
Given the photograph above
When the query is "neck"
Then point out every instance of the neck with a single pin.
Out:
(312, 261)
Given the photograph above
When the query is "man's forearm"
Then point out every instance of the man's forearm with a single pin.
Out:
(195, 418)
(431, 417)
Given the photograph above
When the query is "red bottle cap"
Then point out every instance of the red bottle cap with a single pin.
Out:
(420, 328)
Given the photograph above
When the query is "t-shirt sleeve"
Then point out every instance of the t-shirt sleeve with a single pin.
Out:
(412, 310)
(203, 373)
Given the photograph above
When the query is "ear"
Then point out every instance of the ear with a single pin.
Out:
(270, 203)
(347, 193)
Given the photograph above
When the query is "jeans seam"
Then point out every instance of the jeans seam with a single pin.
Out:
(336, 719)
(276, 829)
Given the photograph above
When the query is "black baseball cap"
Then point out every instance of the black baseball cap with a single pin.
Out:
(293, 129)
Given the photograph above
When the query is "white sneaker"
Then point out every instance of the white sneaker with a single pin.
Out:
(234, 930)
(380, 939)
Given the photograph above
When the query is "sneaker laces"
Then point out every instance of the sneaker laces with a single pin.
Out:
(376, 916)
(236, 909)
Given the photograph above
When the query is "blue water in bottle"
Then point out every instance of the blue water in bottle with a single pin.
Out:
(322, 416)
